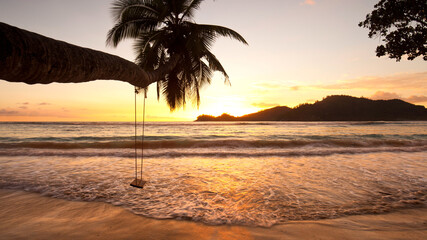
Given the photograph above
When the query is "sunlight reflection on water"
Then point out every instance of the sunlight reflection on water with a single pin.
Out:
(250, 191)
(258, 173)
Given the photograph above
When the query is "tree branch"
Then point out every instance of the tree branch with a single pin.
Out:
(415, 19)
(32, 58)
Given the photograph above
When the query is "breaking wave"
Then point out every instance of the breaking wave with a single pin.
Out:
(226, 143)
(209, 153)
(256, 174)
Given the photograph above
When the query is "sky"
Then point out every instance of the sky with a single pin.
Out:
(299, 51)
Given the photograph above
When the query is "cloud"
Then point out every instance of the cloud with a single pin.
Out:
(24, 111)
(416, 99)
(396, 81)
(4, 112)
(308, 2)
(264, 105)
(267, 85)
(274, 86)
(44, 103)
(380, 95)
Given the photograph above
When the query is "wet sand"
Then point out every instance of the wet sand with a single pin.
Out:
(31, 216)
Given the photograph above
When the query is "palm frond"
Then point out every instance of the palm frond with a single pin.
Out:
(176, 7)
(133, 17)
(170, 46)
(172, 90)
(214, 63)
(145, 43)
(222, 31)
(123, 30)
(159, 86)
(189, 11)
(143, 7)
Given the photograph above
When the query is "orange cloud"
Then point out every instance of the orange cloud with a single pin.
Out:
(267, 85)
(396, 81)
(23, 112)
(416, 99)
(264, 105)
(4, 112)
(380, 95)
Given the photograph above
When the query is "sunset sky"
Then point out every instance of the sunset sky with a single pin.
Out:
(299, 51)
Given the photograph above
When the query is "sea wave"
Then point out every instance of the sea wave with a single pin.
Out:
(219, 143)
(250, 191)
(205, 153)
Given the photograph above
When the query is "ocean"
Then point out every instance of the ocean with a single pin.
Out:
(244, 173)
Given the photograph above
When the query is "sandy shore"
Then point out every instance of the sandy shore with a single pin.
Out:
(31, 216)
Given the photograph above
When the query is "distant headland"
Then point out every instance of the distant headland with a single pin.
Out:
(335, 108)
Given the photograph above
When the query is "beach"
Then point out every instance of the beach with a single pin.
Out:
(31, 216)
(261, 180)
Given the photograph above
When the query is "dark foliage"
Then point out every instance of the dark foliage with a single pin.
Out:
(402, 25)
(336, 108)
(164, 30)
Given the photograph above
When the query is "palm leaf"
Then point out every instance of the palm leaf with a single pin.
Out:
(173, 49)
(222, 31)
(143, 7)
(189, 11)
(130, 29)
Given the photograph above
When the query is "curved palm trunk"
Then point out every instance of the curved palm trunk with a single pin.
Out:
(32, 58)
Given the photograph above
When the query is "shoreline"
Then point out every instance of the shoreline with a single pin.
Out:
(26, 215)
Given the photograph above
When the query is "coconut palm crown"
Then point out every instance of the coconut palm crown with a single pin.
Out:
(170, 45)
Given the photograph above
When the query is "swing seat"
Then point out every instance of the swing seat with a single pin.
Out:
(139, 183)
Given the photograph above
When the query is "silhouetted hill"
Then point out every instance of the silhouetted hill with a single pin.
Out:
(335, 108)
(223, 117)
(274, 114)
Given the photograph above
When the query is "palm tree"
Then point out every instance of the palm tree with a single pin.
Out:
(169, 45)
(32, 58)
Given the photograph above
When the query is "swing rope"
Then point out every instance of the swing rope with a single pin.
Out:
(143, 130)
(136, 143)
(139, 183)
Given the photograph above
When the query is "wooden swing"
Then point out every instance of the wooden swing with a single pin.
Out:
(139, 183)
